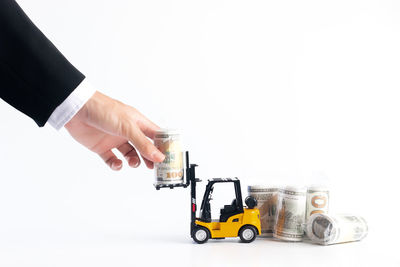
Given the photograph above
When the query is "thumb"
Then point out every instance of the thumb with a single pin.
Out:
(143, 144)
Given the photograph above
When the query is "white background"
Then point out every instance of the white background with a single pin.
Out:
(285, 92)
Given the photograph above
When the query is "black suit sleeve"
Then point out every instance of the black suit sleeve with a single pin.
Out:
(34, 76)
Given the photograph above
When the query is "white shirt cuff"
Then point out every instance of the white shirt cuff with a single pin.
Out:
(71, 105)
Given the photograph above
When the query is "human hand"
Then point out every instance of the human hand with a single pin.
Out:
(104, 123)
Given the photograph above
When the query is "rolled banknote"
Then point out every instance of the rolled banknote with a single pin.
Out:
(327, 229)
(290, 214)
(317, 200)
(170, 171)
(267, 197)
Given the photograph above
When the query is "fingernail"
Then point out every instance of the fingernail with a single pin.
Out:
(116, 166)
(157, 156)
(133, 162)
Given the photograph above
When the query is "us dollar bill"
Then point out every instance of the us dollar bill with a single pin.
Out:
(169, 171)
(267, 197)
(328, 229)
(290, 215)
(317, 200)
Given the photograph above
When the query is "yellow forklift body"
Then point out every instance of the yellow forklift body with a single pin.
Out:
(231, 227)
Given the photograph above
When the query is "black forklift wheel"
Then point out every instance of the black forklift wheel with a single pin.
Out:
(200, 234)
(247, 233)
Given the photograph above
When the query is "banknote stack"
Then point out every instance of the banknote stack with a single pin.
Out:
(288, 213)
(327, 229)
(267, 197)
(317, 200)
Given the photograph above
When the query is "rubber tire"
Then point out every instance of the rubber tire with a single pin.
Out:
(200, 228)
(243, 229)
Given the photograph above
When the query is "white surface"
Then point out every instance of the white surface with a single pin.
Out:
(280, 92)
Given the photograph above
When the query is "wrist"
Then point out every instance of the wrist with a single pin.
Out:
(81, 115)
(72, 105)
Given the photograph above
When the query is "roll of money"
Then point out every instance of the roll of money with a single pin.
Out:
(170, 171)
(325, 229)
(317, 200)
(290, 214)
(266, 202)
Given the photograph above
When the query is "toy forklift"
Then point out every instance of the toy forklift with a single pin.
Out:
(235, 220)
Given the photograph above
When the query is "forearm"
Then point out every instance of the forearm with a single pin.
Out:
(35, 77)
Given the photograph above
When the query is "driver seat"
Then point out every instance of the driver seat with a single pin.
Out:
(228, 211)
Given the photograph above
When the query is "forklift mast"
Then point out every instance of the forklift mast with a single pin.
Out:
(191, 180)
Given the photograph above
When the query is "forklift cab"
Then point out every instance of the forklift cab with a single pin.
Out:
(236, 206)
